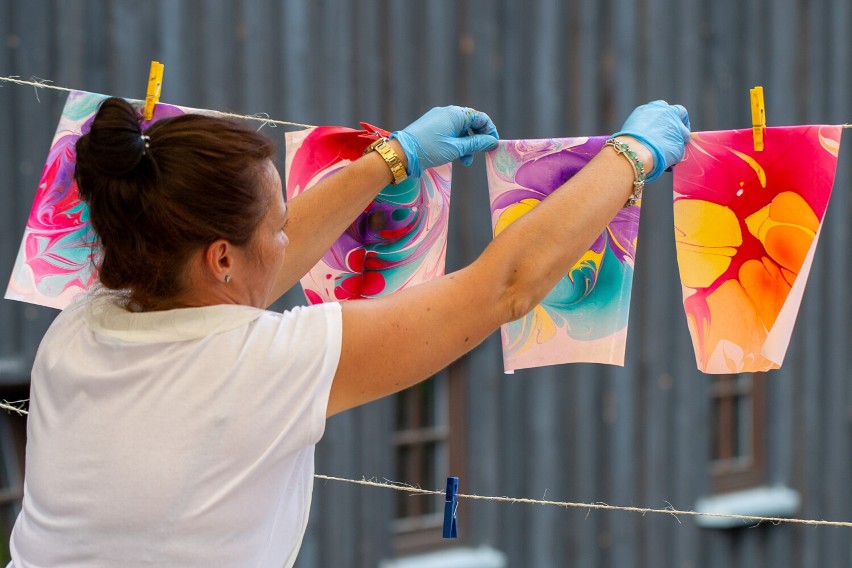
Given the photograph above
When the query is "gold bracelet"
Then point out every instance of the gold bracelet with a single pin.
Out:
(622, 149)
(389, 156)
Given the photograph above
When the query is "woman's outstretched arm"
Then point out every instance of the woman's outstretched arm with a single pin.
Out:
(393, 342)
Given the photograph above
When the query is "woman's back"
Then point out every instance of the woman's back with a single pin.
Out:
(165, 437)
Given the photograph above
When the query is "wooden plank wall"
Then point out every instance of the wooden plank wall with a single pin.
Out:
(632, 436)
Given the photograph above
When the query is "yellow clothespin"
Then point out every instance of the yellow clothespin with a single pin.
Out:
(758, 117)
(155, 86)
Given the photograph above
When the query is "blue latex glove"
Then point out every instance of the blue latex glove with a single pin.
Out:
(445, 134)
(663, 129)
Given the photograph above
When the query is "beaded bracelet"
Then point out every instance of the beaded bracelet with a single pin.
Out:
(623, 149)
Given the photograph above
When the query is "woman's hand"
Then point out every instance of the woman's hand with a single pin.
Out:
(663, 129)
(445, 134)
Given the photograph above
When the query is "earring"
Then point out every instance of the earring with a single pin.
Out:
(227, 279)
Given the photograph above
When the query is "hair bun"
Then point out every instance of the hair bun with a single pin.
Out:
(114, 146)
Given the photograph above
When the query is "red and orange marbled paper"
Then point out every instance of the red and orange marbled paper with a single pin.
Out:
(746, 228)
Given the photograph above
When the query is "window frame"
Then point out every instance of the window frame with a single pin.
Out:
(13, 440)
(729, 472)
(423, 532)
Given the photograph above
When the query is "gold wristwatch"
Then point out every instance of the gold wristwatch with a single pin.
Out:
(388, 155)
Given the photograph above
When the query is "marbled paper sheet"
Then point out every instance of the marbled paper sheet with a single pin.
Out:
(584, 318)
(399, 240)
(746, 228)
(55, 262)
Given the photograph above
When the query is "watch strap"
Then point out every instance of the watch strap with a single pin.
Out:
(389, 156)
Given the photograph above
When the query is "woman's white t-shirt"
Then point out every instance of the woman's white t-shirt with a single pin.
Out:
(176, 438)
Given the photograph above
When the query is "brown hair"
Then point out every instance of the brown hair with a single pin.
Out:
(156, 197)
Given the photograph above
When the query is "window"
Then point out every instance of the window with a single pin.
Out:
(737, 441)
(426, 453)
(13, 432)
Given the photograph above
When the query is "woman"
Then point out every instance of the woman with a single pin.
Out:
(172, 419)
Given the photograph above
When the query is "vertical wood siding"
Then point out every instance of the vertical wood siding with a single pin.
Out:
(543, 68)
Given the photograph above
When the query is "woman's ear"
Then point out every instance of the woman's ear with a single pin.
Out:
(218, 260)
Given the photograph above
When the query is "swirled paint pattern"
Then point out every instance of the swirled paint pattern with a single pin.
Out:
(399, 240)
(584, 318)
(746, 227)
(57, 257)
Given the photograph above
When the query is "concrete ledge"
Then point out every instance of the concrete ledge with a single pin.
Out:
(482, 557)
(776, 501)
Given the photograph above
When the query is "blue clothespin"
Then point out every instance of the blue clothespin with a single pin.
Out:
(451, 508)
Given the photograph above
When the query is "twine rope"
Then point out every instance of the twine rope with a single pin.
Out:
(261, 117)
(670, 510)
(17, 408)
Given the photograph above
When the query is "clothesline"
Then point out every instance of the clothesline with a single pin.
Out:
(46, 84)
(261, 117)
(396, 486)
